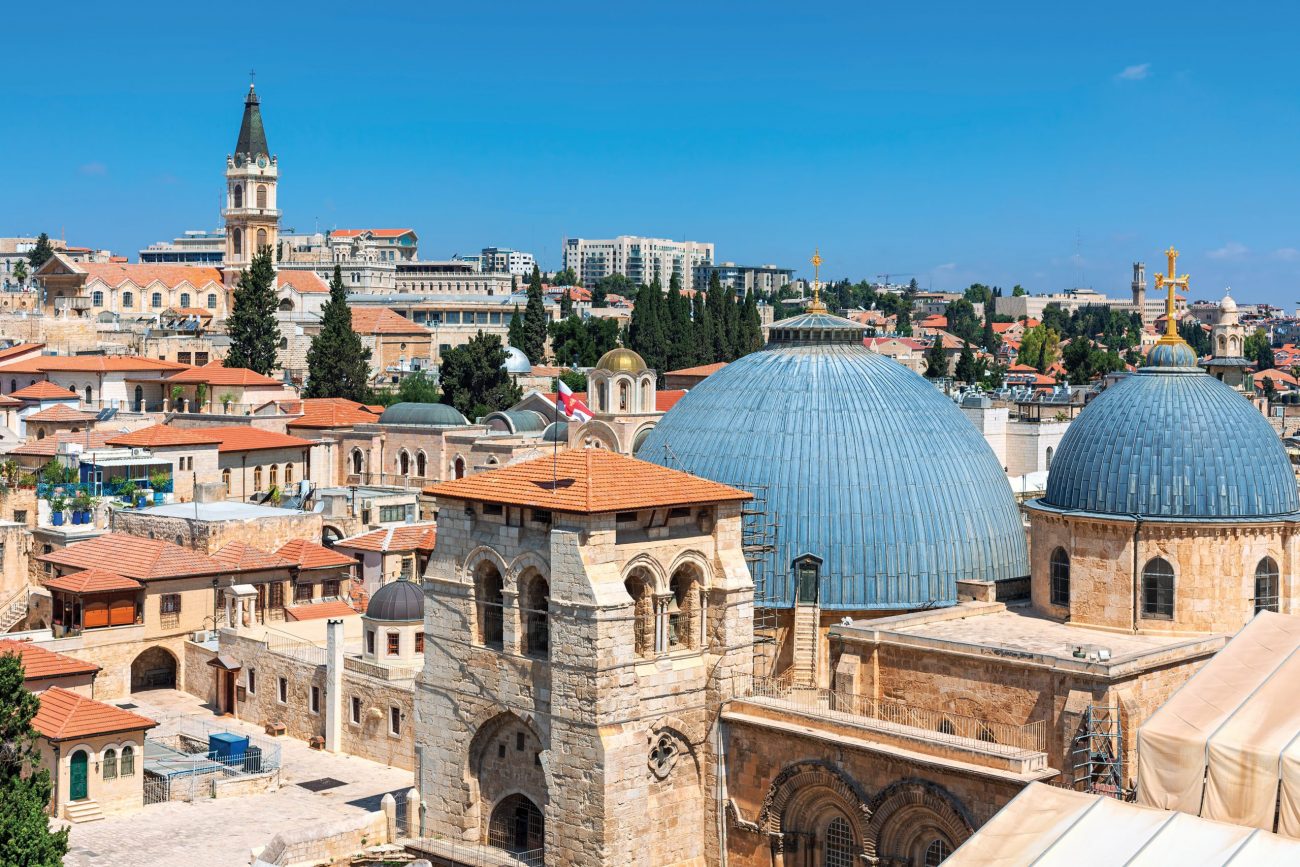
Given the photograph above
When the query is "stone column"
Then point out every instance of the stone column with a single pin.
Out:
(333, 685)
(510, 626)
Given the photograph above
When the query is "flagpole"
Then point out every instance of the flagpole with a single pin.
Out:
(555, 453)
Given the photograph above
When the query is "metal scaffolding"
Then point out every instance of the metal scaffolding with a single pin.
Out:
(1098, 753)
(758, 542)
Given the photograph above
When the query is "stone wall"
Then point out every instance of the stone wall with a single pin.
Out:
(324, 842)
(118, 795)
(208, 537)
(199, 679)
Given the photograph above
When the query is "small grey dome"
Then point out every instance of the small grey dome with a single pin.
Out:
(426, 414)
(517, 362)
(399, 600)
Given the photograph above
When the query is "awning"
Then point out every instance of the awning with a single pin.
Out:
(225, 663)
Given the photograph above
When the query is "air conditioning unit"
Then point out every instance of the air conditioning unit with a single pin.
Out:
(200, 636)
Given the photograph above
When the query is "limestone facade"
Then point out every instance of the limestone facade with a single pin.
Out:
(596, 680)
(116, 793)
(268, 531)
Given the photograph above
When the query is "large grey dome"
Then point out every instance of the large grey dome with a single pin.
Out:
(397, 600)
(1172, 443)
(866, 466)
(425, 414)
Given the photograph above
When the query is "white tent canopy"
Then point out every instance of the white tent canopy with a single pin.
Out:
(1044, 825)
(1222, 744)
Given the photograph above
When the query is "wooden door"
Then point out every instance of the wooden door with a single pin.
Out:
(77, 788)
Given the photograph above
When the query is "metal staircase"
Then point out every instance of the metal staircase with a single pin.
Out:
(804, 667)
(14, 610)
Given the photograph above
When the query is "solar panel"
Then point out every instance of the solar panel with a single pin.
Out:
(106, 413)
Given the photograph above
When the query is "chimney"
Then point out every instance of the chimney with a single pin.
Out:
(333, 685)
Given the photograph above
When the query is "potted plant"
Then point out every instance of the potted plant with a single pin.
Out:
(273, 496)
(159, 481)
(200, 396)
(57, 504)
(127, 492)
(177, 393)
(227, 398)
(81, 508)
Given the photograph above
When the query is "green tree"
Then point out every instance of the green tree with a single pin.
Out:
(25, 787)
(680, 330)
(41, 253)
(338, 363)
(962, 321)
(1017, 291)
(1270, 389)
(254, 333)
(418, 387)
(967, 369)
(576, 381)
(515, 333)
(904, 324)
(566, 303)
(1257, 349)
(20, 273)
(571, 342)
(936, 360)
(716, 321)
(564, 277)
(611, 284)
(989, 338)
(1055, 318)
(978, 293)
(535, 322)
(1040, 348)
(474, 380)
(751, 326)
(647, 332)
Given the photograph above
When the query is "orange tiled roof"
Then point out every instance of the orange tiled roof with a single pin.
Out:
(142, 274)
(242, 438)
(65, 715)
(382, 320)
(319, 610)
(60, 412)
(49, 446)
(93, 580)
(40, 662)
(200, 312)
(309, 555)
(239, 557)
(590, 481)
(19, 349)
(303, 282)
(216, 373)
(161, 435)
(43, 390)
(91, 364)
(407, 537)
(331, 412)
(702, 370)
(134, 557)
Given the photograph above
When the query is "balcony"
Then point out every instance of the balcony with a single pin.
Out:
(267, 213)
(75, 302)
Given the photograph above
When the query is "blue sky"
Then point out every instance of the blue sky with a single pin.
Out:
(1039, 143)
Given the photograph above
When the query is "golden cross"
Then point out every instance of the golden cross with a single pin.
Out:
(816, 306)
(1174, 282)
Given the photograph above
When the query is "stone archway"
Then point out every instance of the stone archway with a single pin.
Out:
(154, 668)
(805, 799)
(503, 761)
(907, 816)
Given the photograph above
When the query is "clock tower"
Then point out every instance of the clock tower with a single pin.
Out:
(252, 218)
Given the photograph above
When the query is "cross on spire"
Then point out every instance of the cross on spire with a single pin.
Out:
(1174, 282)
(252, 78)
(817, 306)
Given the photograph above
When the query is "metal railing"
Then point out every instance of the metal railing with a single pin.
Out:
(295, 648)
(941, 725)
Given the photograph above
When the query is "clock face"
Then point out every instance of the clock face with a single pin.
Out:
(261, 162)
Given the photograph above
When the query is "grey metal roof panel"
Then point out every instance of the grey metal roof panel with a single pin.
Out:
(866, 465)
(397, 600)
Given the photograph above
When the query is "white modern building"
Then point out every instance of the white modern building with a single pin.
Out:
(744, 278)
(641, 260)
(503, 259)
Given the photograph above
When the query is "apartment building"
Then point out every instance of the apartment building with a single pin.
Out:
(642, 260)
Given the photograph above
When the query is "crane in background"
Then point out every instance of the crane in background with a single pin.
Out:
(884, 278)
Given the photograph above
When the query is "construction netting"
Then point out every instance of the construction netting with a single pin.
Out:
(1226, 746)
(1044, 825)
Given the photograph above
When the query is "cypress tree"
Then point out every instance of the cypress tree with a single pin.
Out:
(681, 342)
(967, 370)
(338, 363)
(717, 320)
(515, 334)
(25, 788)
(254, 333)
(566, 304)
(646, 334)
(732, 325)
(904, 323)
(534, 332)
(751, 325)
(936, 362)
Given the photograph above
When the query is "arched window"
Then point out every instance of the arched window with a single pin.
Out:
(537, 635)
(357, 462)
(185, 299)
(275, 475)
(1060, 577)
(40, 434)
(647, 396)
(257, 478)
(838, 848)
(421, 464)
(1266, 583)
(1050, 452)
(403, 463)
(139, 398)
(458, 468)
(128, 299)
(680, 609)
(88, 395)
(13, 385)
(155, 300)
(239, 198)
(237, 241)
(128, 761)
(517, 825)
(261, 239)
(110, 764)
(288, 475)
(212, 300)
(1158, 589)
(638, 588)
(261, 196)
(937, 852)
(490, 602)
(225, 479)
(97, 298)
(622, 397)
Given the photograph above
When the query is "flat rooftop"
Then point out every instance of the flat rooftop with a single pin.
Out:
(224, 510)
(991, 629)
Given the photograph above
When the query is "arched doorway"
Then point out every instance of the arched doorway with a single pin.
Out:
(154, 668)
(77, 785)
(517, 825)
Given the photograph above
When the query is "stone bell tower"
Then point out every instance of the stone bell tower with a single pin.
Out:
(252, 218)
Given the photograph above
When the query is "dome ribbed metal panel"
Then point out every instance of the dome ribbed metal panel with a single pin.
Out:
(867, 466)
(398, 600)
(1172, 444)
(429, 414)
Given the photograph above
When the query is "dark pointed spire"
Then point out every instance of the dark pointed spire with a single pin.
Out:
(252, 137)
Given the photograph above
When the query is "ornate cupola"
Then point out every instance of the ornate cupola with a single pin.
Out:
(252, 218)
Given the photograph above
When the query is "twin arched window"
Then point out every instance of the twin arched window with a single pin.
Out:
(1059, 577)
(1158, 589)
(1266, 584)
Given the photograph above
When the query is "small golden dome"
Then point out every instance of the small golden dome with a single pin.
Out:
(621, 360)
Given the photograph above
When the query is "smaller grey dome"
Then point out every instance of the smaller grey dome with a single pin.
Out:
(399, 600)
(517, 362)
(427, 414)
(556, 432)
